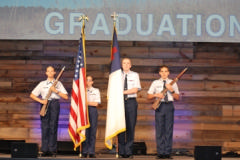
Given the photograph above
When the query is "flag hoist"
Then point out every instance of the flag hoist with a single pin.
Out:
(78, 117)
(115, 120)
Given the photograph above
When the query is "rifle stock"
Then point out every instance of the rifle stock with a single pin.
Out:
(44, 108)
(157, 102)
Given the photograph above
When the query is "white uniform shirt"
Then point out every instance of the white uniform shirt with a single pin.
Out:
(157, 87)
(43, 87)
(93, 95)
(133, 81)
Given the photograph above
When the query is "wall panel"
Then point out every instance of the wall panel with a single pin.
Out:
(209, 104)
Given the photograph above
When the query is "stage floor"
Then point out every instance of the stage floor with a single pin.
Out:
(106, 156)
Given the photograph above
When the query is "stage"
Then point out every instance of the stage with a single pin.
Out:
(105, 156)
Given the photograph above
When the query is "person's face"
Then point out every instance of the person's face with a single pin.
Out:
(164, 72)
(50, 72)
(89, 81)
(126, 65)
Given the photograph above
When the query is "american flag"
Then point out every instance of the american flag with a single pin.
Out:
(115, 122)
(78, 118)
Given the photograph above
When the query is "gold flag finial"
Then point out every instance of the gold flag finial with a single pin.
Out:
(114, 16)
(83, 18)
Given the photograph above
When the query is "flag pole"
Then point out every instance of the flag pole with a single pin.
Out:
(83, 18)
(114, 17)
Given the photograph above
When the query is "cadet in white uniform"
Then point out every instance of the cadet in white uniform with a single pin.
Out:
(164, 114)
(93, 100)
(49, 122)
(132, 85)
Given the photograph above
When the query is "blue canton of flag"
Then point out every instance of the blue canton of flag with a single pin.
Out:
(80, 61)
(115, 55)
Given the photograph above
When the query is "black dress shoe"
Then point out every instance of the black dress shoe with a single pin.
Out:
(160, 156)
(84, 155)
(44, 154)
(121, 156)
(168, 156)
(53, 154)
(129, 156)
(92, 156)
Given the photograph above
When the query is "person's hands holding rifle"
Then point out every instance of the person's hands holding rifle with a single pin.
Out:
(161, 95)
(53, 89)
(169, 87)
(44, 101)
(44, 108)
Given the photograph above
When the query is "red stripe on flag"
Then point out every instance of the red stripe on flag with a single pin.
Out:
(79, 112)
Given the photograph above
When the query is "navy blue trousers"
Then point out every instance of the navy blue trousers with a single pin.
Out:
(49, 125)
(88, 146)
(164, 119)
(126, 139)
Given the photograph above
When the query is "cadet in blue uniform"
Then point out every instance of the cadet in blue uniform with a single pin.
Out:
(132, 85)
(164, 115)
(49, 122)
(93, 100)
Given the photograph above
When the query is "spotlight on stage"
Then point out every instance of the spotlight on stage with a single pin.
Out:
(208, 153)
(24, 150)
(5, 145)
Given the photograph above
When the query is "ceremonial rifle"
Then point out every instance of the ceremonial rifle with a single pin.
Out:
(44, 108)
(157, 102)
